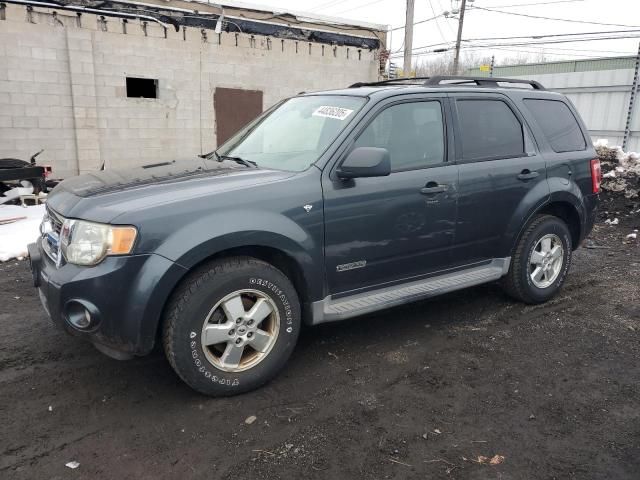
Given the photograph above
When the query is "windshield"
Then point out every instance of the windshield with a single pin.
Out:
(293, 135)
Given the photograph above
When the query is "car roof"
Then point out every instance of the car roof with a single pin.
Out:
(442, 84)
(389, 91)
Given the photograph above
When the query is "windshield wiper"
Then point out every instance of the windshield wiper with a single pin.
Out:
(222, 158)
(241, 161)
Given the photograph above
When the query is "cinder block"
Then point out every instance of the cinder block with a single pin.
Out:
(25, 122)
(49, 122)
(20, 75)
(9, 86)
(43, 53)
(48, 100)
(13, 133)
(22, 99)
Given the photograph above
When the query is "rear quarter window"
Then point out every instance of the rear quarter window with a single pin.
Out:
(558, 124)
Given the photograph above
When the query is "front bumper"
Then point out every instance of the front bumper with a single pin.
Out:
(126, 295)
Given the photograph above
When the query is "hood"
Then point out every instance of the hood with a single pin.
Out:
(102, 196)
(107, 181)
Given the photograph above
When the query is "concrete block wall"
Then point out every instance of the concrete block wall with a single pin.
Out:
(63, 85)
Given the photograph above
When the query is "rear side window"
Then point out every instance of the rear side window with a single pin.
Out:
(490, 129)
(558, 124)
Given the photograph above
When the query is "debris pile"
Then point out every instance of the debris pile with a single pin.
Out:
(620, 170)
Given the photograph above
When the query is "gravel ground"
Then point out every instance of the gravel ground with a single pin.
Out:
(422, 391)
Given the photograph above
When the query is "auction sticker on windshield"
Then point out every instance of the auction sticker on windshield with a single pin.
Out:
(332, 112)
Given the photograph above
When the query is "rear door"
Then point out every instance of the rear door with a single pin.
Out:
(387, 229)
(499, 168)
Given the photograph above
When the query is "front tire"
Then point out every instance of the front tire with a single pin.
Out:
(541, 261)
(231, 326)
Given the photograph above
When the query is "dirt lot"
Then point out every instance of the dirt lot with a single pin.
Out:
(415, 392)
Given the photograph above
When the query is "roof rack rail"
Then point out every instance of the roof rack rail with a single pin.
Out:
(418, 80)
(452, 80)
(479, 81)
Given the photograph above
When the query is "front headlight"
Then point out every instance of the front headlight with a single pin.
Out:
(87, 243)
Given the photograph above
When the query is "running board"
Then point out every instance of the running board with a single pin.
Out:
(330, 310)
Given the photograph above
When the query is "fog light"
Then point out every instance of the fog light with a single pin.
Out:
(81, 314)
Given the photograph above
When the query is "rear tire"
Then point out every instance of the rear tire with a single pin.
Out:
(231, 326)
(540, 262)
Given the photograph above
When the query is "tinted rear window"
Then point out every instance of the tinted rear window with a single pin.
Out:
(489, 130)
(558, 124)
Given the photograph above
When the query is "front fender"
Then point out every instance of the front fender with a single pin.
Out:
(211, 234)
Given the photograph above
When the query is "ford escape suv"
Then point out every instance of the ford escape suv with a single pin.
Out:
(328, 206)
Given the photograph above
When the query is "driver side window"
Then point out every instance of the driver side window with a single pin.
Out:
(413, 133)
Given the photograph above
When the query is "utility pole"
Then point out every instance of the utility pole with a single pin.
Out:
(408, 38)
(632, 101)
(460, 22)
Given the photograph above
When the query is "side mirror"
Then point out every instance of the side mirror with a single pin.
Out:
(365, 162)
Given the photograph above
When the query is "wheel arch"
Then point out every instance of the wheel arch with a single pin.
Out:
(568, 213)
(279, 258)
(562, 208)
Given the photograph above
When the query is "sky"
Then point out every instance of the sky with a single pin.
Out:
(479, 24)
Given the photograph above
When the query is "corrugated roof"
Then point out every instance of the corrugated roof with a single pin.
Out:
(586, 65)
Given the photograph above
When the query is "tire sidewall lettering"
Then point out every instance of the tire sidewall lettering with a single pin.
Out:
(202, 364)
(280, 295)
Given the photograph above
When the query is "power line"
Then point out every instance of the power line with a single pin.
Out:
(569, 20)
(537, 37)
(433, 10)
(325, 5)
(635, 34)
(453, 34)
(418, 22)
(358, 7)
(531, 4)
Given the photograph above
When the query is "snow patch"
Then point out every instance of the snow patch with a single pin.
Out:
(14, 237)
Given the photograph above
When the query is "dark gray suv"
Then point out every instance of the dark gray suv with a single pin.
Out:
(328, 206)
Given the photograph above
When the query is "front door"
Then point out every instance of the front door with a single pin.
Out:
(387, 229)
(499, 166)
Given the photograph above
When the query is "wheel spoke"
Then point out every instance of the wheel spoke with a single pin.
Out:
(215, 333)
(537, 258)
(233, 308)
(261, 310)
(231, 356)
(538, 274)
(261, 340)
(546, 245)
(556, 252)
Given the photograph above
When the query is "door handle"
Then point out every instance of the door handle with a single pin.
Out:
(527, 174)
(432, 187)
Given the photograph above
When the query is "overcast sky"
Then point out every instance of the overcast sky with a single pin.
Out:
(482, 24)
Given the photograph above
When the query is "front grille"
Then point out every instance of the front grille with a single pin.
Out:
(56, 220)
(51, 235)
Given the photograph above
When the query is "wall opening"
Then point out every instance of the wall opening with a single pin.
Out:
(234, 108)
(142, 87)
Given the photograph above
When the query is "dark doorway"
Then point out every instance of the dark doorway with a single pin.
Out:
(234, 108)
